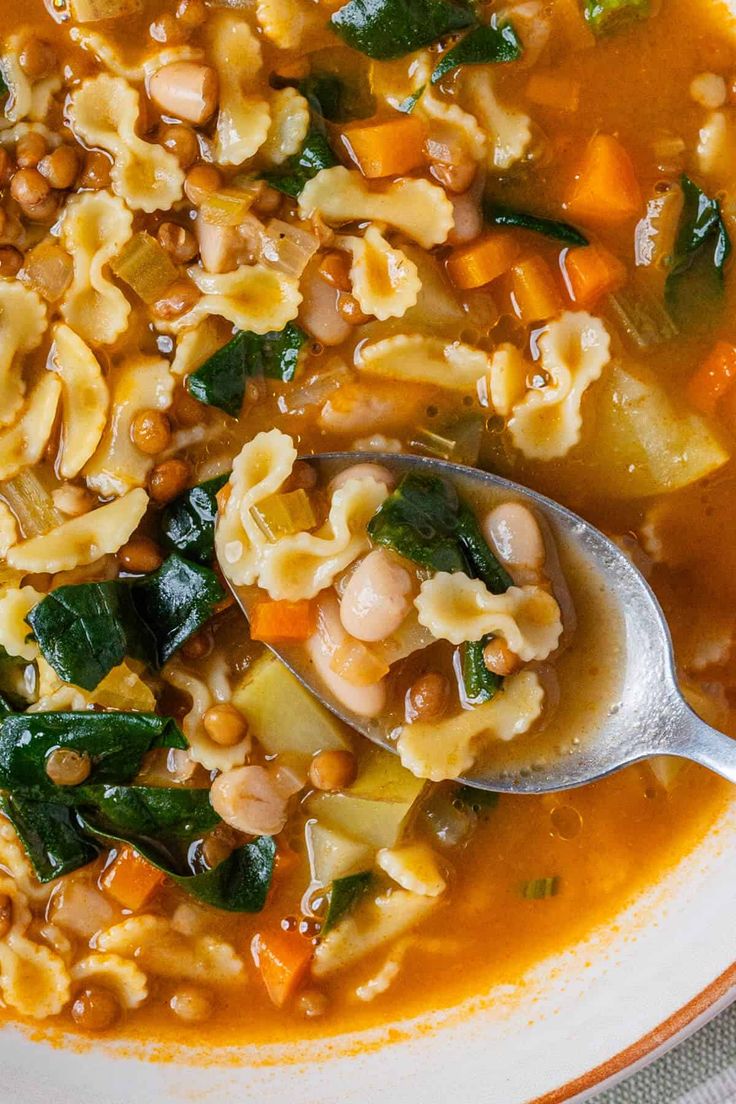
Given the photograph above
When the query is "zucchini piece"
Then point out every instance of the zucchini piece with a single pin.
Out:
(283, 716)
(333, 855)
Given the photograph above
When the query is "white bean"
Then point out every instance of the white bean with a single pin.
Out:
(319, 314)
(468, 218)
(709, 90)
(514, 532)
(251, 800)
(377, 472)
(187, 90)
(377, 597)
(366, 701)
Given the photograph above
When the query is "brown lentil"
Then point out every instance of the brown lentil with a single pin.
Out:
(95, 1009)
(28, 188)
(66, 767)
(30, 149)
(150, 431)
(11, 261)
(268, 201)
(169, 479)
(95, 171)
(225, 724)
(429, 695)
(333, 769)
(200, 182)
(188, 411)
(198, 645)
(350, 309)
(499, 659)
(180, 298)
(37, 58)
(179, 243)
(140, 556)
(60, 167)
(181, 140)
(334, 268)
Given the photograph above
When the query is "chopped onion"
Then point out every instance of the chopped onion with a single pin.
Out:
(49, 270)
(288, 248)
(30, 500)
(643, 316)
(92, 11)
(227, 206)
(317, 388)
(459, 442)
(146, 267)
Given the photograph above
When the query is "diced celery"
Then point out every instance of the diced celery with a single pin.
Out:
(280, 515)
(30, 499)
(227, 206)
(49, 270)
(92, 11)
(333, 854)
(145, 266)
(283, 716)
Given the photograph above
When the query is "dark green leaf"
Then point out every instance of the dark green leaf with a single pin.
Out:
(386, 29)
(607, 16)
(50, 835)
(175, 602)
(483, 563)
(155, 812)
(702, 247)
(3, 87)
(407, 106)
(115, 743)
(551, 228)
(479, 683)
(17, 681)
(188, 523)
(344, 896)
(495, 43)
(338, 99)
(314, 156)
(221, 380)
(85, 630)
(539, 888)
(420, 521)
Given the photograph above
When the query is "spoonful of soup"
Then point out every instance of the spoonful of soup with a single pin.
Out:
(470, 625)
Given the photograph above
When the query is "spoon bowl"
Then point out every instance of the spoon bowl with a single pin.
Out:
(643, 715)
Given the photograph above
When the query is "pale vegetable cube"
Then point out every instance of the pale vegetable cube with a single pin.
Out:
(333, 854)
(381, 777)
(283, 716)
(377, 823)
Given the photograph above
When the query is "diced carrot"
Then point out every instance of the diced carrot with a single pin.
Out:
(606, 189)
(482, 260)
(592, 272)
(555, 90)
(283, 959)
(282, 620)
(534, 291)
(714, 378)
(131, 879)
(387, 147)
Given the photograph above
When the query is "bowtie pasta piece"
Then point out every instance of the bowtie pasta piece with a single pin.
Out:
(546, 422)
(104, 112)
(202, 748)
(14, 860)
(418, 359)
(95, 43)
(366, 930)
(302, 565)
(244, 117)
(33, 978)
(289, 126)
(259, 470)
(254, 298)
(84, 400)
(122, 976)
(136, 384)
(385, 282)
(22, 326)
(94, 229)
(287, 22)
(420, 209)
(122, 688)
(15, 605)
(509, 131)
(161, 950)
(457, 608)
(196, 346)
(22, 443)
(28, 99)
(82, 540)
(446, 749)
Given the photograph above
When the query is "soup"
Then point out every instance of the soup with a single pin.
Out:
(450, 233)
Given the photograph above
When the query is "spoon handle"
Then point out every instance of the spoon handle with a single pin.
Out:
(691, 738)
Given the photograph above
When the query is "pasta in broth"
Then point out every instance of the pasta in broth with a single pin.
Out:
(232, 236)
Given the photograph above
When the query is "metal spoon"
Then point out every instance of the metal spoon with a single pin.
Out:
(646, 714)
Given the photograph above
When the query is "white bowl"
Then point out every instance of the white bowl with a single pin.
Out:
(578, 1022)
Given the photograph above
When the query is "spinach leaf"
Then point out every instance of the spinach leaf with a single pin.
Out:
(17, 680)
(344, 896)
(607, 16)
(84, 630)
(495, 43)
(238, 884)
(314, 156)
(701, 249)
(407, 106)
(188, 523)
(337, 99)
(114, 742)
(221, 379)
(149, 811)
(420, 521)
(483, 563)
(385, 29)
(175, 601)
(551, 228)
(479, 683)
(50, 835)
(3, 87)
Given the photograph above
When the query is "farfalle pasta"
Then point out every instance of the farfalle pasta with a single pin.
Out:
(161, 950)
(15, 636)
(508, 130)
(22, 326)
(202, 748)
(546, 421)
(244, 118)
(384, 280)
(104, 113)
(94, 229)
(288, 128)
(420, 209)
(414, 358)
(253, 298)
(112, 971)
(22, 443)
(84, 400)
(28, 99)
(33, 979)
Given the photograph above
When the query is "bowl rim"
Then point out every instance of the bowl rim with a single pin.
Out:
(683, 1023)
